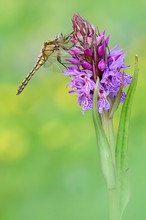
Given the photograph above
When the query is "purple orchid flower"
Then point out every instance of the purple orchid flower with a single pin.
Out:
(90, 59)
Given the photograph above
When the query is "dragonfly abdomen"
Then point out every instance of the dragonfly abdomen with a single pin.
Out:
(39, 63)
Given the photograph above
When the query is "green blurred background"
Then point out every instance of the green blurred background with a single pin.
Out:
(49, 168)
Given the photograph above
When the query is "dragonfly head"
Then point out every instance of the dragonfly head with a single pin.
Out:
(60, 36)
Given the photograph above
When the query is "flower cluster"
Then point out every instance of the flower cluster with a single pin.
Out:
(90, 59)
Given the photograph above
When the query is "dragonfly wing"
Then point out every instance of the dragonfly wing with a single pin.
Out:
(52, 65)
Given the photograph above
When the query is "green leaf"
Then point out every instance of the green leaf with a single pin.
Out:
(122, 142)
(106, 161)
(116, 103)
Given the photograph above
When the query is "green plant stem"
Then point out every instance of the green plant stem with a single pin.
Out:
(109, 131)
(113, 193)
(114, 205)
(106, 146)
(111, 139)
(114, 209)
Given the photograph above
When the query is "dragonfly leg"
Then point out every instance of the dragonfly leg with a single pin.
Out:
(59, 60)
(68, 48)
(69, 37)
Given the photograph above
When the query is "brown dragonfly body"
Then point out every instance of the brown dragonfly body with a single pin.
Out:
(49, 48)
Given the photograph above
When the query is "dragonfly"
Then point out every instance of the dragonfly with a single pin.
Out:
(49, 48)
